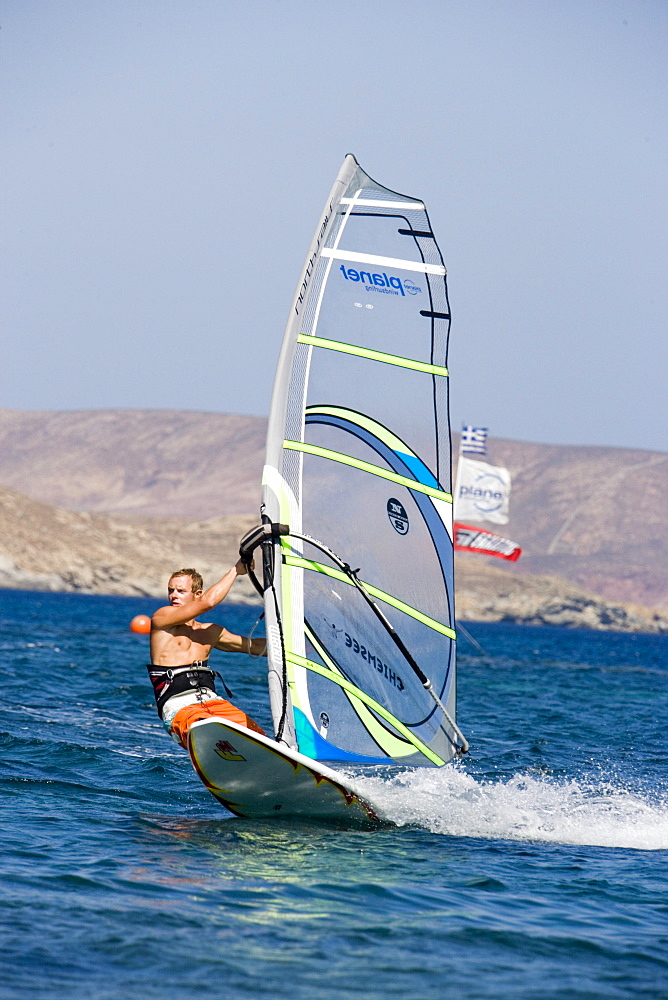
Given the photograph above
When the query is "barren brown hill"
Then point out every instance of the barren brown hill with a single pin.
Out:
(158, 463)
(592, 516)
(486, 593)
(50, 548)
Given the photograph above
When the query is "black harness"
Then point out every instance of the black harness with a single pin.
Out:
(168, 681)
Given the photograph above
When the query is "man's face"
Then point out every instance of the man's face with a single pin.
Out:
(180, 590)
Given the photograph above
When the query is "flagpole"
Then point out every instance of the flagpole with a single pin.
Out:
(457, 478)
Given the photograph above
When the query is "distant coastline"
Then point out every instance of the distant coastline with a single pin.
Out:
(52, 549)
(109, 501)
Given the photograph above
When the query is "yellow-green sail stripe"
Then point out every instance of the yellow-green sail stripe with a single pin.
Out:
(394, 602)
(356, 463)
(302, 661)
(363, 352)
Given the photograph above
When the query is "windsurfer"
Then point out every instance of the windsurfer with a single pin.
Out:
(182, 680)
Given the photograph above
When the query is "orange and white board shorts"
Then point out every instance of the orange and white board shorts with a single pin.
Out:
(214, 708)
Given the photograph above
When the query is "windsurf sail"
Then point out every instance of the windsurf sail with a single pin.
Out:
(359, 594)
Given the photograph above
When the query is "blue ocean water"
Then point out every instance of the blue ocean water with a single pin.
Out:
(535, 868)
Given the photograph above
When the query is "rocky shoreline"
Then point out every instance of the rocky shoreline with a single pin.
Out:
(53, 549)
(591, 516)
(486, 594)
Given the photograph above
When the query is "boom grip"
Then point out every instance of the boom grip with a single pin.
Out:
(256, 536)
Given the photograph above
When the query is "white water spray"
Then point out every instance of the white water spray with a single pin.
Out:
(587, 811)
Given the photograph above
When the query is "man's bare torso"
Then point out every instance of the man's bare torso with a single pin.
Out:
(179, 645)
(177, 638)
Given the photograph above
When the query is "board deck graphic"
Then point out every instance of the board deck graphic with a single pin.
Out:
(256, 777)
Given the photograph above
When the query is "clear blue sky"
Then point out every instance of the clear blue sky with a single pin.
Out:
(164, 164)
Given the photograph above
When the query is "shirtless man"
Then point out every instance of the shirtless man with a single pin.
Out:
(183, 682)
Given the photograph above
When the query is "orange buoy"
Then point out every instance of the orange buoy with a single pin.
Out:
(140, 623)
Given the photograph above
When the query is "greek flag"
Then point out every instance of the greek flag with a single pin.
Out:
(473, 440)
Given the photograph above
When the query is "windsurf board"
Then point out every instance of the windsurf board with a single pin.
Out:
(256, 777)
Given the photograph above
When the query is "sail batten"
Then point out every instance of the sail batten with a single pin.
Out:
(396, 262)
(358, 456)
(398, 206)
(374, 470)
(363, 352)
(394, 602)
(410, 742)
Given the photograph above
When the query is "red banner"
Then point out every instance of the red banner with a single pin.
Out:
(478, 540)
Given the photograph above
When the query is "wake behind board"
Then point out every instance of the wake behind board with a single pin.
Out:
(255, 777)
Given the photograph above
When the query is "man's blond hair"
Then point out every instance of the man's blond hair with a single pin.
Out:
(198, 582)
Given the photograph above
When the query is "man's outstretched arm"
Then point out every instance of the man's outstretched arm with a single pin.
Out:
(179, 614)
(232, 643)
